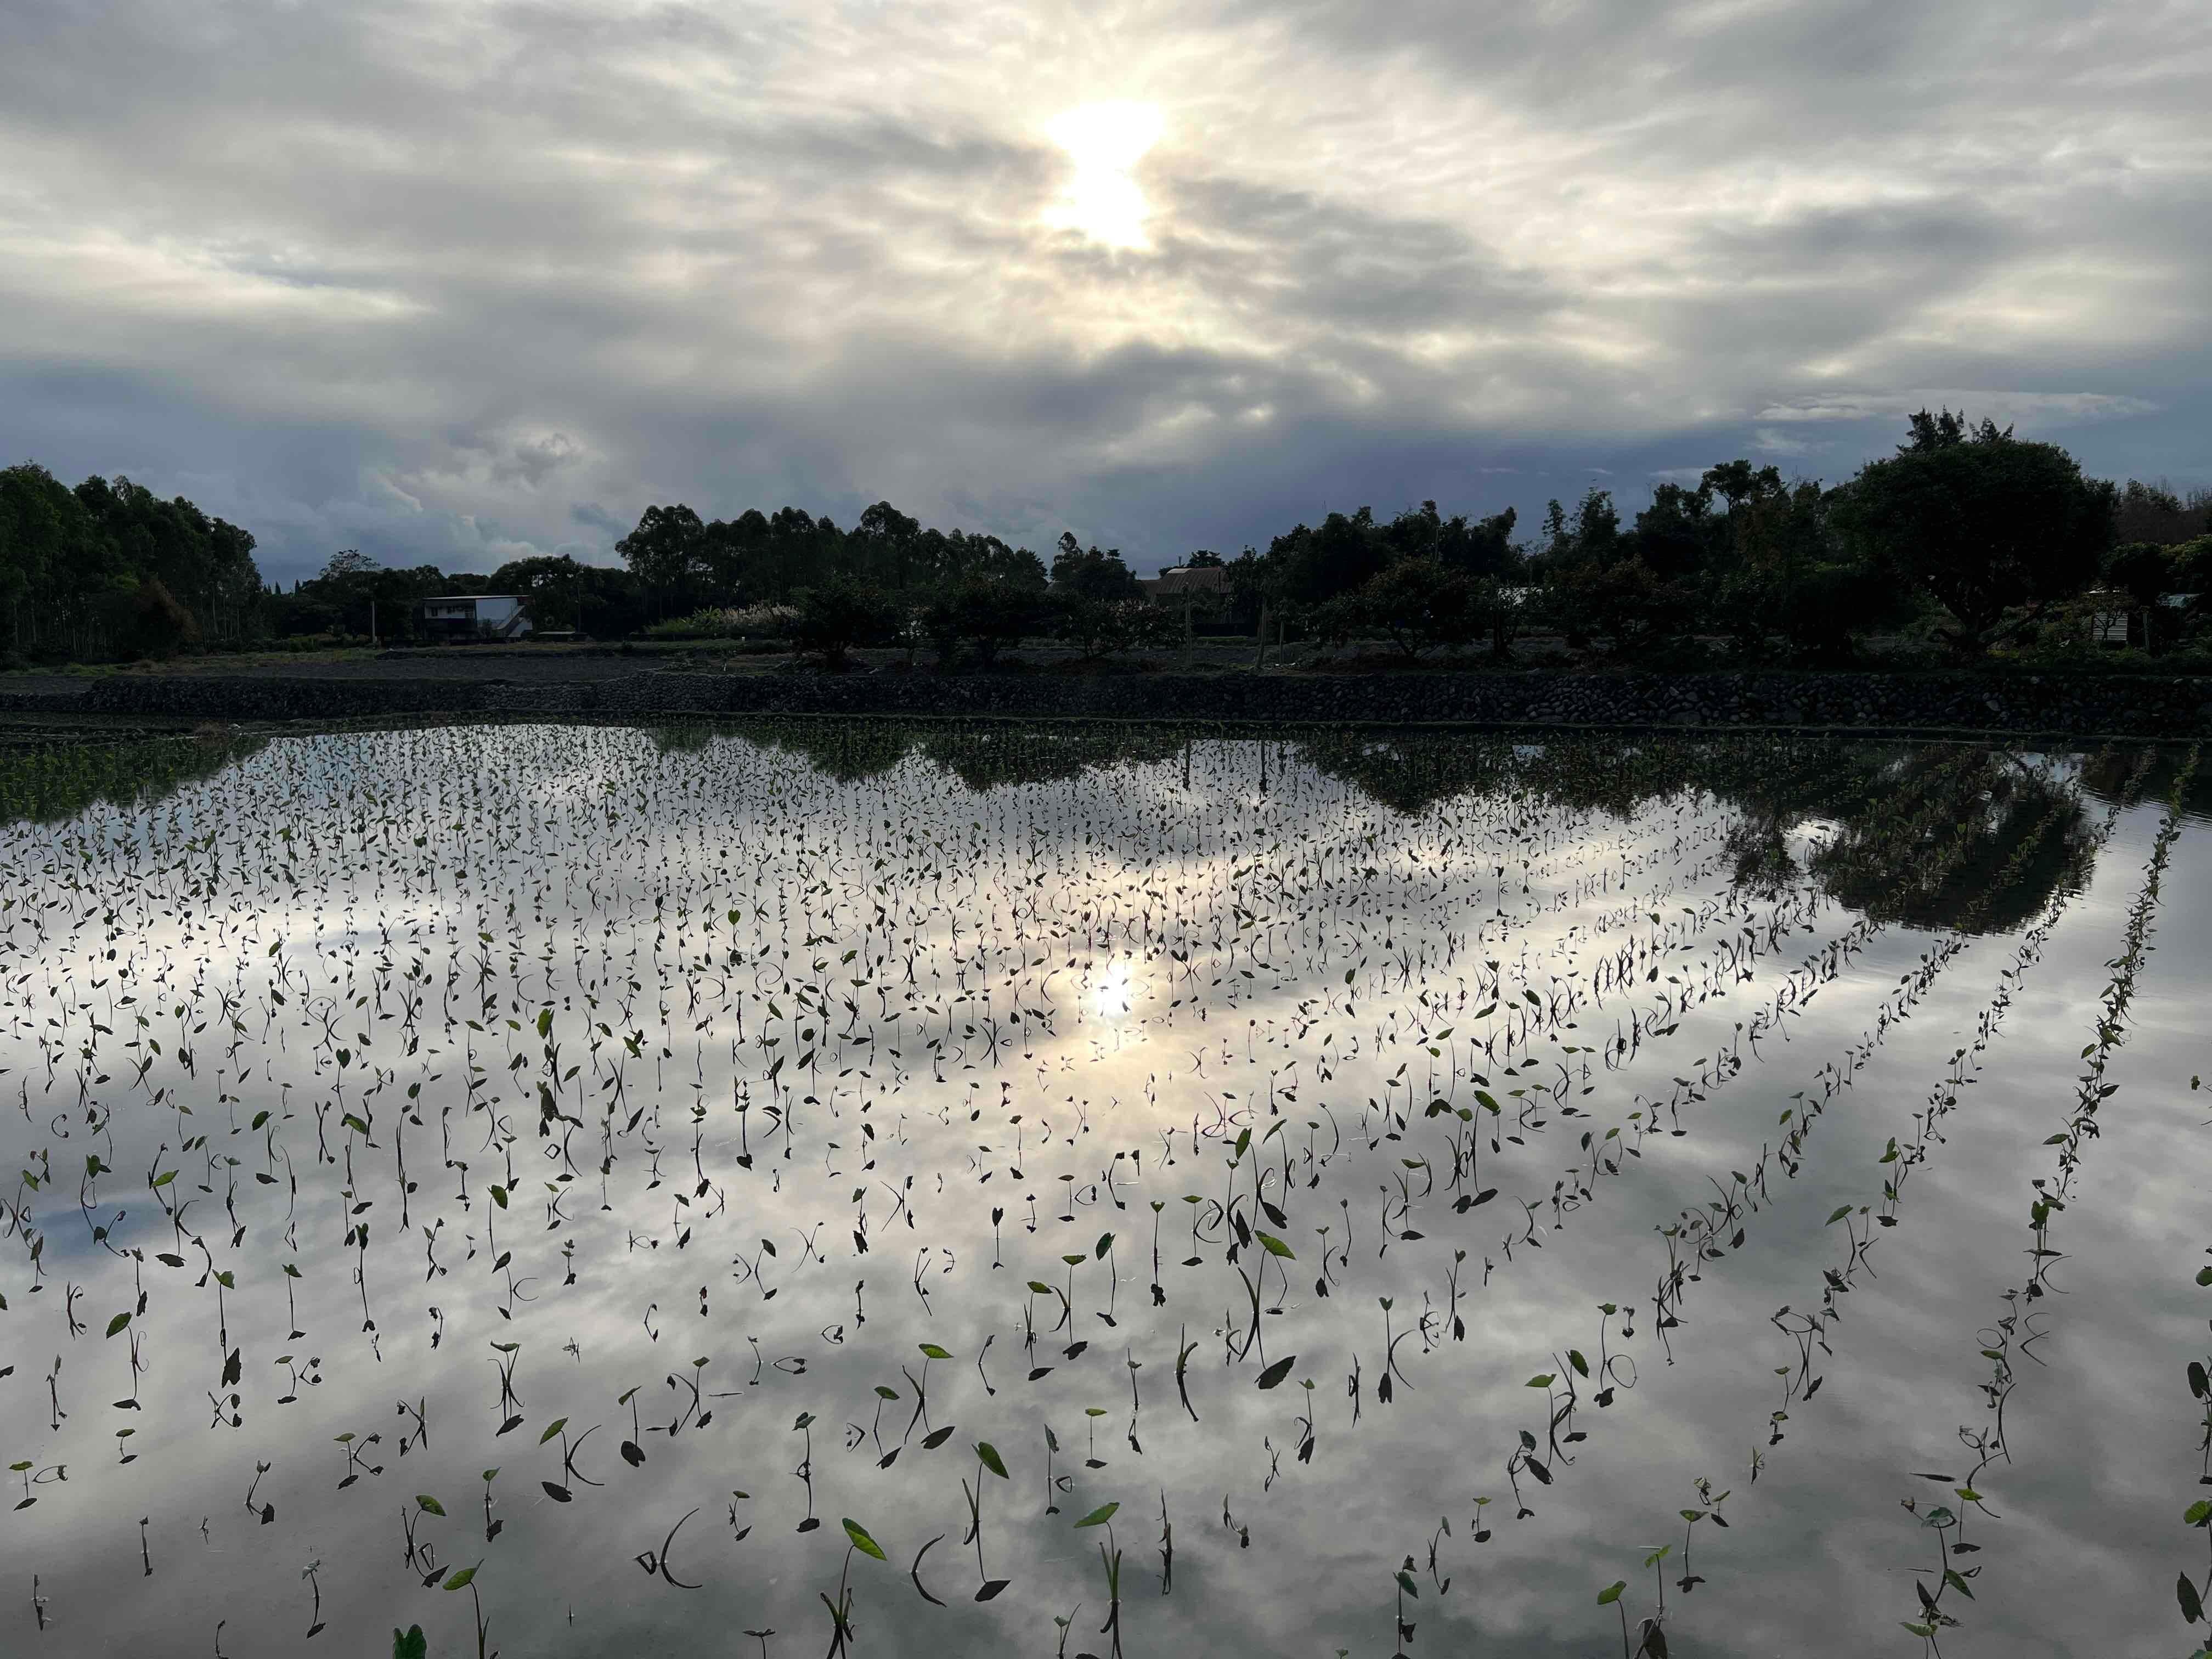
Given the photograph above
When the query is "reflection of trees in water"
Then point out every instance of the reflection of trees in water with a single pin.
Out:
(1411, 771)
(985, 757)
(982, 756)
(2105, 777)
(849, 752)
(1894, 813)
(680, 739)
(1961, 847)
(49, 782)
(1898, 812)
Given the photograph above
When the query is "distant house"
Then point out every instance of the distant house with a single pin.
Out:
(1201, 594)
(1184, 582)
(473, 616)
(2114, 618)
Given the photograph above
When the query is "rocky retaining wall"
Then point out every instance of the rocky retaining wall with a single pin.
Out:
(2129, 705)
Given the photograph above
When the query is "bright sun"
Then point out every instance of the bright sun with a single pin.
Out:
(1116, 990)
(1104, 141)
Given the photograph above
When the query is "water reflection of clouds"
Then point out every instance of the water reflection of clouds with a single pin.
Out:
(1326, 1536)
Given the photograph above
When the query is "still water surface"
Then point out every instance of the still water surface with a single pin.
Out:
(1168, 1194)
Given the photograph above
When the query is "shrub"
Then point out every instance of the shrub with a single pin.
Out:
(1099, 628)
(982, 616)
(727, 622)
(841, 613)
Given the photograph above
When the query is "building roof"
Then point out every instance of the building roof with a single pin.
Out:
(1185, 579)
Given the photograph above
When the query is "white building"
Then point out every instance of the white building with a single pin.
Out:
(474, 616)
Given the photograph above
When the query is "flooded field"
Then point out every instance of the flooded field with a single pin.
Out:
(809, 1188)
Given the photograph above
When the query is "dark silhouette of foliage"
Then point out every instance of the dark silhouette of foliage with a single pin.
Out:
(841, 613)
(982, 617)
(1982, 522)
(1995, 533)
(107, 566)
(1416, 602)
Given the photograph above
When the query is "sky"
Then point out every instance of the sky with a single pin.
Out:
(457, 283)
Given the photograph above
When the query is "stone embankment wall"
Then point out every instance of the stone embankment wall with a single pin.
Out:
(2116, 705)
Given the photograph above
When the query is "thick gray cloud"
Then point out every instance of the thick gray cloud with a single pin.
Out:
(456, 282)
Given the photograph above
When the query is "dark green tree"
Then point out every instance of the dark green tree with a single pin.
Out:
(886, 546)
(1417, 603)
(1678, 535)
(1081, 573)
(1982, 522)
(2154, 512)
(982, 616)
(1313, 565)
(666, 554)
(839, 613)
(554, 586)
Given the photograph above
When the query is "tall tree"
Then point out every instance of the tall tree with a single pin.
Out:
(664, 552)
(885, 543)
(1984, 522)
(1083, 573)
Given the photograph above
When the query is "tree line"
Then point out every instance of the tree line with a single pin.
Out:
(109, 569)
(1976, 537)
(1968, 534)
(1973, 536)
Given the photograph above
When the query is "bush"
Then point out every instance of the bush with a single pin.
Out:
(727, 622)
(1417, 603)
(1624, 601)
(1099, 628)
(983, 616)
(840, 614)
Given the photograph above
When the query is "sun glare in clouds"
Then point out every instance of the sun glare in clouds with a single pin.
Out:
(1104, 142)
(1117, 991)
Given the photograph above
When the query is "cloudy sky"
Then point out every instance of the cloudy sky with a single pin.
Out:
(455, 280)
